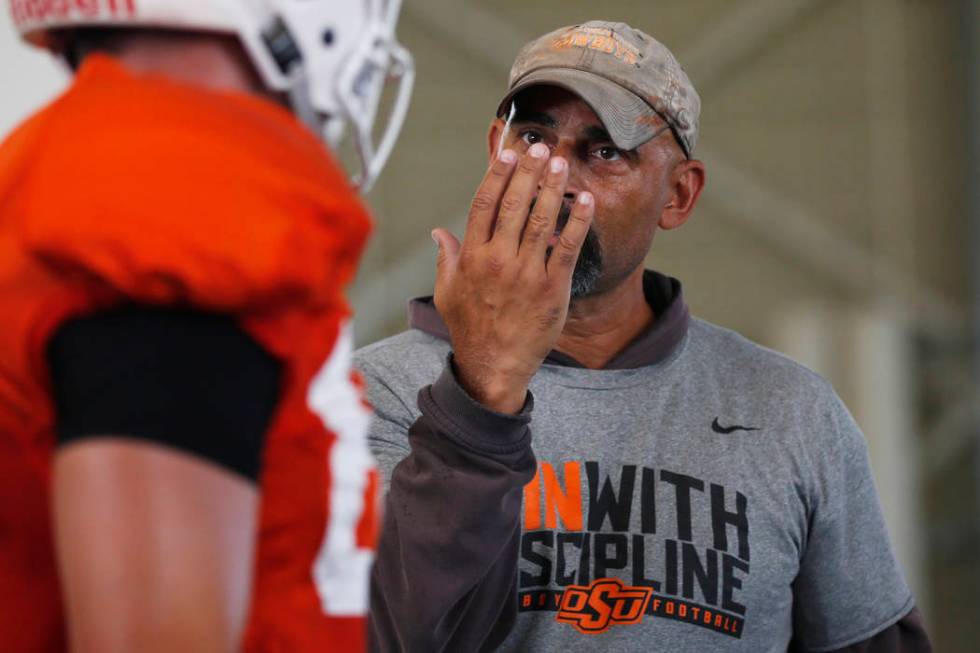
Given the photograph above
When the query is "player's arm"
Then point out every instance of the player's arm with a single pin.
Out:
(161, 422)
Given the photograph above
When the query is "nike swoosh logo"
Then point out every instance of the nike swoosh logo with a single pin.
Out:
(718, 428)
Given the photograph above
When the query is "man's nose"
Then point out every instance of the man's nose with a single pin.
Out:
(567, 152)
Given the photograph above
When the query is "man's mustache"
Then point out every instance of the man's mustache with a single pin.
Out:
(588, 267)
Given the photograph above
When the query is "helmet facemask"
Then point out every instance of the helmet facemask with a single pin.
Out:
(334, 62)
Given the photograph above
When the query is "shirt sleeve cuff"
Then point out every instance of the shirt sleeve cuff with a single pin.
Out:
(472, 424)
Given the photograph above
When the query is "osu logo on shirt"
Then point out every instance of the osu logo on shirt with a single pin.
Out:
(604, 603)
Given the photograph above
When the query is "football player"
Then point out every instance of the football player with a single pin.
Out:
(182, 455)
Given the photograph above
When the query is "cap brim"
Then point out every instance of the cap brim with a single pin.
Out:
(630, 121)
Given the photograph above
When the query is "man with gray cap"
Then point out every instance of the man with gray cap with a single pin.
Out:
(688, 490)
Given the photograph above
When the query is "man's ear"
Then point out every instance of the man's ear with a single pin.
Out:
(494, 135)
(686, 183)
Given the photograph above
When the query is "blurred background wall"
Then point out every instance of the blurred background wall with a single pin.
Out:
(840, 223)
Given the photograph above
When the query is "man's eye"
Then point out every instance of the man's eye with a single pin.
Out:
(531, 137)
(607, 153)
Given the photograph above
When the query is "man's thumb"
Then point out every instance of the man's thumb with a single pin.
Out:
(448, 250)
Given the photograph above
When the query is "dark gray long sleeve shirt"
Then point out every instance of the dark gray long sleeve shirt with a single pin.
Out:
(444, 585)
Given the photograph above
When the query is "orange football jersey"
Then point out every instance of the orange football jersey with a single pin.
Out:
(137, 189)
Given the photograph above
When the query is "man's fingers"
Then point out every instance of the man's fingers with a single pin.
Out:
(483, 208)
(566, 251)
(544, 216)
(516, 201)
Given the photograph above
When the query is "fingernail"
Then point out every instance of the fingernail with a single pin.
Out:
(434, 239)
(557, 164)
(584, 198)
(508, 156)
(538, 150)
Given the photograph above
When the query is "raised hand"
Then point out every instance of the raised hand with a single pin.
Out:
(504, 292)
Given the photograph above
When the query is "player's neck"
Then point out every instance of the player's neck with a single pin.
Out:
(599, 327)
(209, 61)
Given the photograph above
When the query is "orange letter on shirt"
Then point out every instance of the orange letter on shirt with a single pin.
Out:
(567, 502)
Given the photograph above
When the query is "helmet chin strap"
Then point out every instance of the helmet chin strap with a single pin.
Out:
(299, 99)
(333, 130)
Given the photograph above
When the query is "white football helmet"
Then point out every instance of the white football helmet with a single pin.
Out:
(332, 57)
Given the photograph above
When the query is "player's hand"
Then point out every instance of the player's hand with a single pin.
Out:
(503, 297)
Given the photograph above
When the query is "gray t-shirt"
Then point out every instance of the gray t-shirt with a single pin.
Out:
(719, 499)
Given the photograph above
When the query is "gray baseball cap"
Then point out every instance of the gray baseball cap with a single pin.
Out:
(627, 77)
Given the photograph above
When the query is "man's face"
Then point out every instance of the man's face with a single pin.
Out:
(630, 188)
